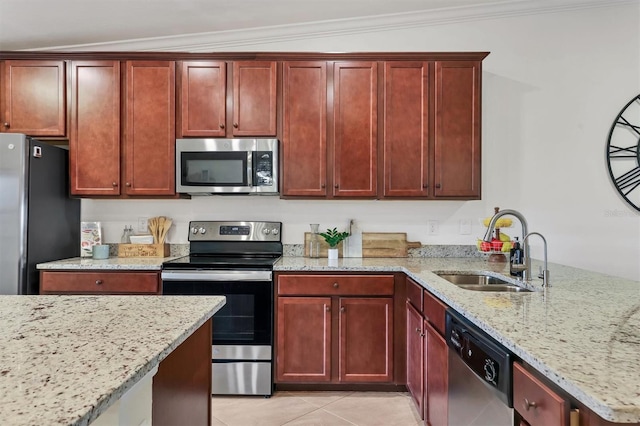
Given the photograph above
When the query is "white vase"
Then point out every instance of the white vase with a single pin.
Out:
(332, 253)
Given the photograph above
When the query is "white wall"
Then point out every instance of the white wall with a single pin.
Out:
(552, 86)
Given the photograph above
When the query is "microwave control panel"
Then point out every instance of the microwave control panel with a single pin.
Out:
(263, 168)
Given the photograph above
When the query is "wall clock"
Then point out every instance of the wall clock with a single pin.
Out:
(623, 153)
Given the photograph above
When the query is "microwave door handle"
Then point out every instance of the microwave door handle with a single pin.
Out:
(250, 155)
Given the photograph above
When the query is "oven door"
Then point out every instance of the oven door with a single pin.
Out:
(242, 329)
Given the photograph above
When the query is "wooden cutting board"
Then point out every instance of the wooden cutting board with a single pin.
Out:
(386, 244)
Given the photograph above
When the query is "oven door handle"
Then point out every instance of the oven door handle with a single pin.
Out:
(216, 275)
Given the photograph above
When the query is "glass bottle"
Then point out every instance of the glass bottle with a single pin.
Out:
(314, 242)
(125, 236)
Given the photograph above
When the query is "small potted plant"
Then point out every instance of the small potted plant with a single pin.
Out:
(333, 238)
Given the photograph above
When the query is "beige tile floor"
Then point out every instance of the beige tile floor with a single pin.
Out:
(316, 409)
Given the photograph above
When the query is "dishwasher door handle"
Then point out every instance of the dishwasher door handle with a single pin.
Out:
(216, 275)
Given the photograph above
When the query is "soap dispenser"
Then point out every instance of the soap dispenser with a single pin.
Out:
(515, 258)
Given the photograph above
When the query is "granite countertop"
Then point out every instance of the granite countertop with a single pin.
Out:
(112, 263)
(65, 359)
(583, 332)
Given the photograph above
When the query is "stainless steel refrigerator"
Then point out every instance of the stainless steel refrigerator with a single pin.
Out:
(39, 222)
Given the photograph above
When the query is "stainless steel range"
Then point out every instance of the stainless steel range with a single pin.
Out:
(233, 259)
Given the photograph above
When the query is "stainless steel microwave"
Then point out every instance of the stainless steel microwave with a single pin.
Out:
(227, 166)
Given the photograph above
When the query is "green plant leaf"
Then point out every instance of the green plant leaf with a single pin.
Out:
(333, 237)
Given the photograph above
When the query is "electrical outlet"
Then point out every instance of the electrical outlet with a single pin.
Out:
(143, 224)
(465, 226)
(432, 227)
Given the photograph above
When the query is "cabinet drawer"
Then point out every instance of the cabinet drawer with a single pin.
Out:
(433, 310)
(99, 282)
(535, 402)
(414, 294)
(342, 285)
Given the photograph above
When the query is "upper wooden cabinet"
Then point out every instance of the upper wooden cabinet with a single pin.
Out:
(355, 129)
(149, 143)
(208, 109)
(33, 97)
(109, 157)
(94, 140)
(304, 131)
(457, 130)
(405, 142)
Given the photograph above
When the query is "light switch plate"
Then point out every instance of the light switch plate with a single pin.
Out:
(433, 227)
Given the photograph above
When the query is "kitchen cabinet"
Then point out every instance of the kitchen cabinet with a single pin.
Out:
(456, 145)
(436, 358)
(33, 97)
(415, 356)
(304, 132)
(355, 129)
(405, 141)
(149, 142)
(208, 109)
(323, 322)
(94, 139)
(99, 282)
(134, 157)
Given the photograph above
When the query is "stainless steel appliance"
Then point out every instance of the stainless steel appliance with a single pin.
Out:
(480, 376)
(227, 166)
(235, 260)
(38, 220)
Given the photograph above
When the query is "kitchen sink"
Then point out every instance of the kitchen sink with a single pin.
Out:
(482, 282)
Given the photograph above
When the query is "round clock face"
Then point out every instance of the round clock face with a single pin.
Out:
(623, 153)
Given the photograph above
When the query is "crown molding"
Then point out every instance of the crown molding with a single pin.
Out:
(243, 39)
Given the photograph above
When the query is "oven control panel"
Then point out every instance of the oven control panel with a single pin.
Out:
(234, 231)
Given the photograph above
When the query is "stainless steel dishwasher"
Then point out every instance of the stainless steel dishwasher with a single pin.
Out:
(480, 369)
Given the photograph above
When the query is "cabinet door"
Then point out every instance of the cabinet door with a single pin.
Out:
(366, 340)
(304, 136)
(406, 129)
(303, 342)
(415, 356)
(33, 98)
(436, 377)
(94, 140)
(202, 95)
(457, 129)
(254, 98)
(150, 134)
(355, 129)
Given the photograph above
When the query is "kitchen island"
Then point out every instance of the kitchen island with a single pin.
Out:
(65, 360)
(582, 333)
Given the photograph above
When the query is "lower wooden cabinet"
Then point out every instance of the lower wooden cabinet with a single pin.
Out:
(99, 282)
(415, 356)
(436, 377)
(334, 329)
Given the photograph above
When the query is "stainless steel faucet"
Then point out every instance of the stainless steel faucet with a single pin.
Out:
(544, 274)
(526, 271)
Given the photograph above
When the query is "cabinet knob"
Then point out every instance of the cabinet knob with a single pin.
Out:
(235, 125)
(98, 282)
(221, 125)
(127, 184)
(6, 125)
(336, 186)
(323, 186)
(327, 308)
(425, 185)
(342, 309)
(438, 185)
(335, 285)
(114, 184)
(529, 404)
(417, 329)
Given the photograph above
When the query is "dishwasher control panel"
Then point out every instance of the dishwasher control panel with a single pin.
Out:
(482, 354)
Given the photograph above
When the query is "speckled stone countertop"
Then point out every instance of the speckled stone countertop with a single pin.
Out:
(112, 263)
(583, 332)
(65, 359)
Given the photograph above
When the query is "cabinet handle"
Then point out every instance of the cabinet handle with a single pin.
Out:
(98, 282)
(529, 404)
(128, 184)
(425, 185)
(342, 309)
(221, 126)
(235, 125)
(323, 186)
(327, 308)
(438, 185)
(417, 329)
(114, 184)
(6, 125)
(335, 285)
(336, 186)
